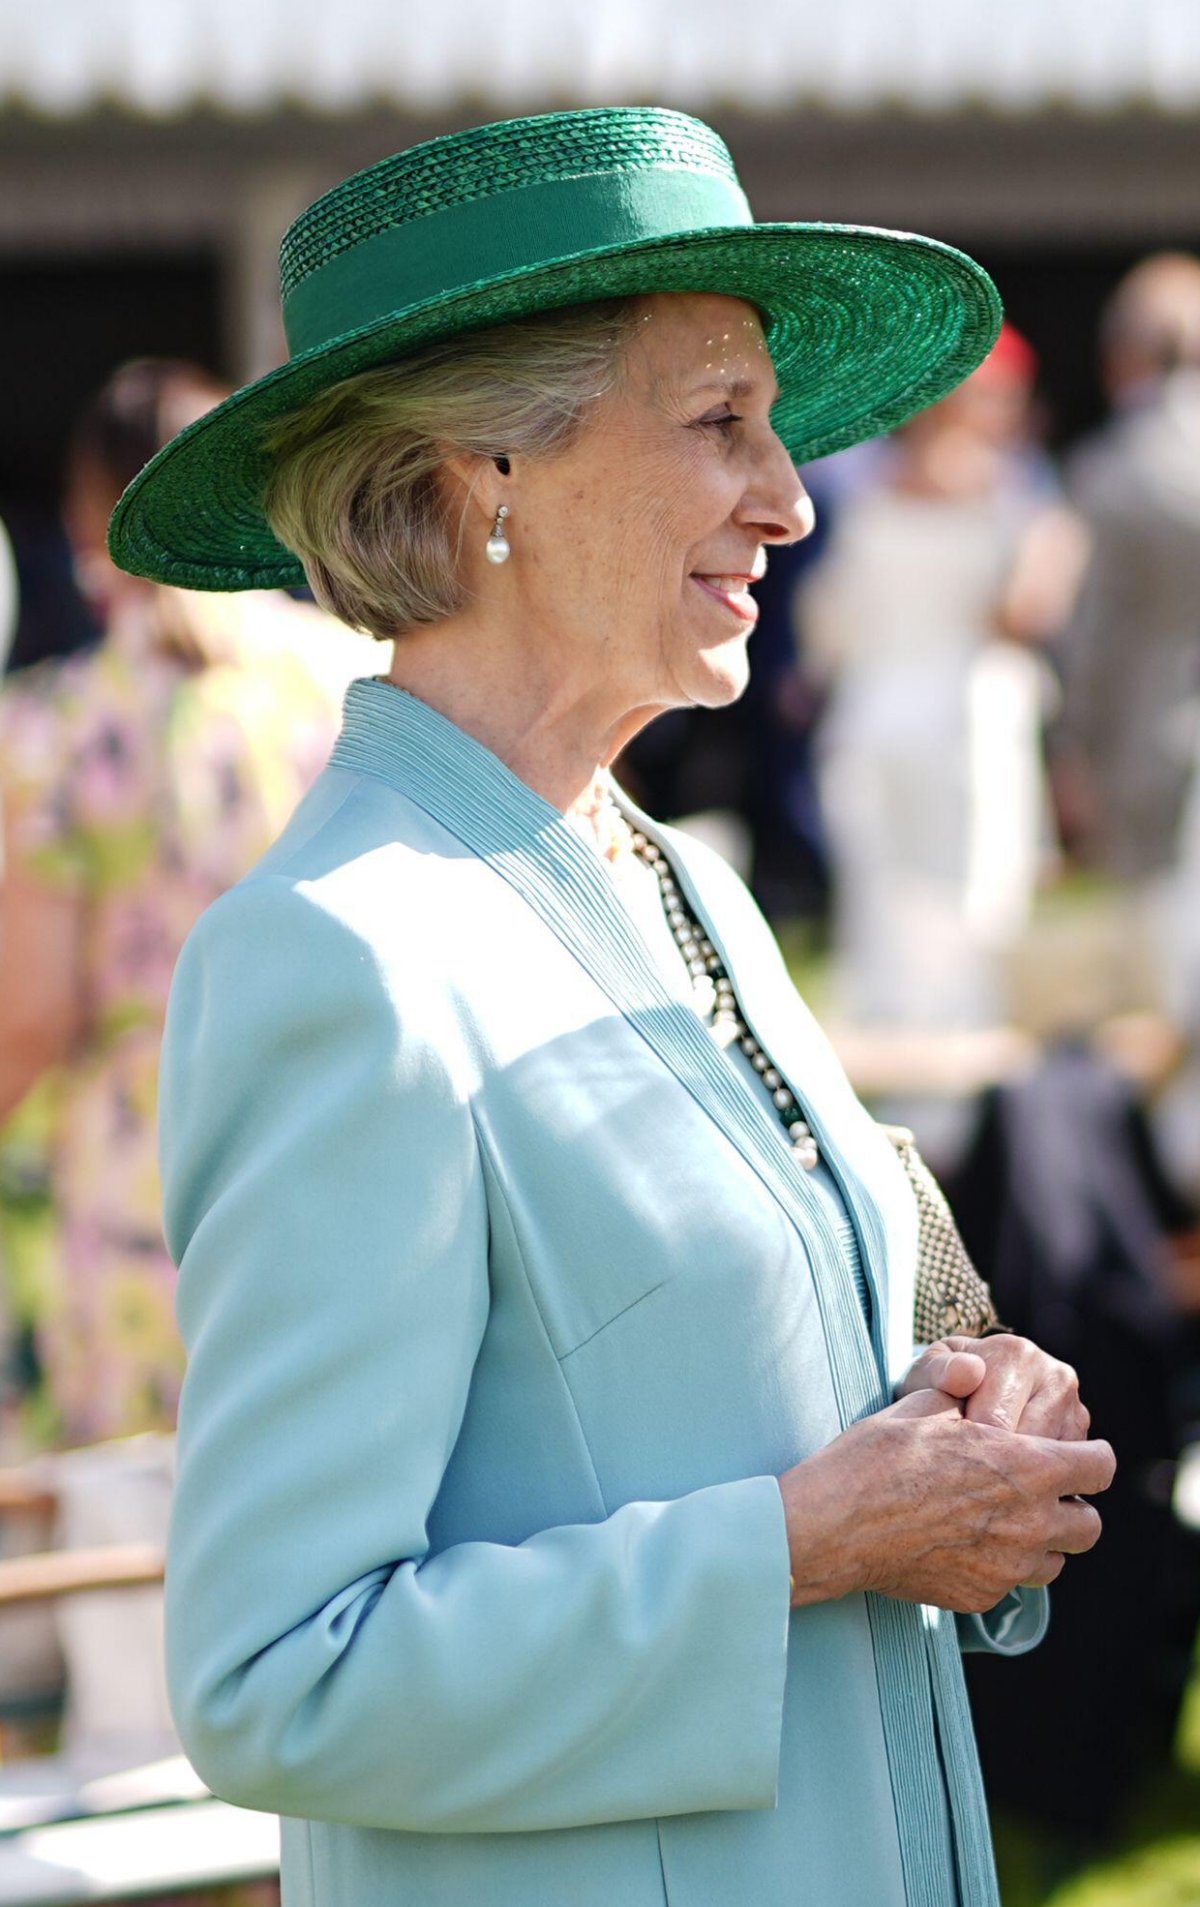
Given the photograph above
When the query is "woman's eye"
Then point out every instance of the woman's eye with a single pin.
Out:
(723, 421)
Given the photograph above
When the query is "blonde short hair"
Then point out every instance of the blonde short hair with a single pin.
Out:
(354, 488)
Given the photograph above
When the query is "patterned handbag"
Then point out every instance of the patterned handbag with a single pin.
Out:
(951, 1297)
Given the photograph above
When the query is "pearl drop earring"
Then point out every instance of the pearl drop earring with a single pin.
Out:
(499, 549)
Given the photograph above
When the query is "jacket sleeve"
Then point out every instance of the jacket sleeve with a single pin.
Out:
(1013, 1627)
(325, 1204)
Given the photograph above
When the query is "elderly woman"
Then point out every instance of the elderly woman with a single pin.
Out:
(547, 1531)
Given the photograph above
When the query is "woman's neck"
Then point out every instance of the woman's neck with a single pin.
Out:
(556, 734)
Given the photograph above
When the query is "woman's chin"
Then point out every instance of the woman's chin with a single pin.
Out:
(721, 675)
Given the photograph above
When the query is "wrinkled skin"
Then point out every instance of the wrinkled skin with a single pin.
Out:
(599, 620)
(964, 1489)
(1005, 1381)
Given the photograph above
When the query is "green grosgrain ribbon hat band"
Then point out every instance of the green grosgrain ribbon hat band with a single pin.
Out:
(474, 229)
(490, 237)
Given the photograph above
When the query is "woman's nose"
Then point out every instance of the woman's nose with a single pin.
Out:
(777, 504)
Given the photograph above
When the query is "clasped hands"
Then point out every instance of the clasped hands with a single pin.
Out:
(965, 1488)
(1004, 1381)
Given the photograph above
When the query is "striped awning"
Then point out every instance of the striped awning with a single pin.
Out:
(255, 57)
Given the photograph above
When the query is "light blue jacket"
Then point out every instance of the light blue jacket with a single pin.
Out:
(505, 1304)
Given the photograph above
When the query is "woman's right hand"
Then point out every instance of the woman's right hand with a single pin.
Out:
(918, 1503)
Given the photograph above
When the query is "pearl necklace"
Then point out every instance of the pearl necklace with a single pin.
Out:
(712, 990)
(596, 818)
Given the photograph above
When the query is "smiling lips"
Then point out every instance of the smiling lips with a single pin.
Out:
(733, 591)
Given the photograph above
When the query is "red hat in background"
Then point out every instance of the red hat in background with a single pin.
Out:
(1011, 359)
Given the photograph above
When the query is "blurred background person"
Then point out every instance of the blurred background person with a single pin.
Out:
(1177, 1108)
(1126, 756)
(949, 563)
(139, 778)
(1131, 655)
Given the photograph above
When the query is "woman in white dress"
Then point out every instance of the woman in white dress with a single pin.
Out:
(943, 575)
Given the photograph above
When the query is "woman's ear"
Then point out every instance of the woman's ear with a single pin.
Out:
(477, 482)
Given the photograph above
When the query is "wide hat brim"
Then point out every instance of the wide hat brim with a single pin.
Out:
(865, 328)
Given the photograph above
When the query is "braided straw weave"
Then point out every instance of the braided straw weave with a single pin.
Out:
(865, 327)
(475, 165)
(950, 1295)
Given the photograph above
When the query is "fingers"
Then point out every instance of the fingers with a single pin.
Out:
(1024, 1390)
(1076, 1527)
(1047, 1571)
(1052, 1410)
(924, 1403)
(1077, 1421)
(957, 1372)
(1069, 1424)
(941, 1506)
(1082, 1468)
(1005, 1392)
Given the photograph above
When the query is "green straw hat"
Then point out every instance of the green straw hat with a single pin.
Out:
(474, 229)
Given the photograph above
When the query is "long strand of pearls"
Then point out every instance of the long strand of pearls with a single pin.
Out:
(713, 993)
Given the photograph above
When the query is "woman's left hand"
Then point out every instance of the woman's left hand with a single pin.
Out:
(1005, 1381)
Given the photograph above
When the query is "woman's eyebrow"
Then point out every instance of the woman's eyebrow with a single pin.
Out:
(736, 387)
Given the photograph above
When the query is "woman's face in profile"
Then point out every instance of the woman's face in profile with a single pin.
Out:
(638, 543)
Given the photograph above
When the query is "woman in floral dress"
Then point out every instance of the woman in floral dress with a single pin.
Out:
(138, 781)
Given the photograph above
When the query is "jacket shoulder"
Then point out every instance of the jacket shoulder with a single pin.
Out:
(357, 851)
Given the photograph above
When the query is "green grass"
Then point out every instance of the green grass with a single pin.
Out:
(1165, 1874)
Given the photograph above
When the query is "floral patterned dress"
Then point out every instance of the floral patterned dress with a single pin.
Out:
(147, 775)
